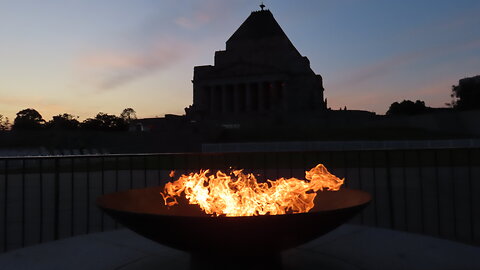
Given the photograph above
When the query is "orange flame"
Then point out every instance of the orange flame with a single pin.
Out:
(240, 194)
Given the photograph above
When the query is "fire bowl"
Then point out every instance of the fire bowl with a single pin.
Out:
(186, 227)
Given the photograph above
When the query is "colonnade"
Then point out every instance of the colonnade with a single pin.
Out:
(244, 97)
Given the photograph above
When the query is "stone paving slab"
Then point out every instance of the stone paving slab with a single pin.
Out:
(347, 248)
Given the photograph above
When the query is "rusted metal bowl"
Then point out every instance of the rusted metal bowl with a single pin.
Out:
(186, 227)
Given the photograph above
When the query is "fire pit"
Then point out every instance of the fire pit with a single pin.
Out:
(232, 240)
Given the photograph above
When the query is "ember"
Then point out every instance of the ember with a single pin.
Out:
(239, 194)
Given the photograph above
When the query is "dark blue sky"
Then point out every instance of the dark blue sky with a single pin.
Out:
(87, 56)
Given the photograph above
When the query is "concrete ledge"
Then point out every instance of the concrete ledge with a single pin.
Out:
(302, 146)
(348, 247)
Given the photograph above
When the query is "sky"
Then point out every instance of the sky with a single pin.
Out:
(88, 56)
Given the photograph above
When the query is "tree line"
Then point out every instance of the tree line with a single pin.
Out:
(465, 96)
(31, 119)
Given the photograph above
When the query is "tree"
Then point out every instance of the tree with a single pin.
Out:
(4, 123)
(128, 115)
(91, 124)
(111, 122)
(466, 95)
(106, 122)
(28, 119)
(63, 121)
(407, 107)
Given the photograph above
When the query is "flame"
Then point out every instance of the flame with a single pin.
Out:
(239, 194)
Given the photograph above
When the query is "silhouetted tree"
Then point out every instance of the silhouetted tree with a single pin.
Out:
(128, 115)
(91, 124)
(407, 107)
(111, 122)
(28, 119)
(466, 95)
(106, 122)
(4, 123)
(63, 121)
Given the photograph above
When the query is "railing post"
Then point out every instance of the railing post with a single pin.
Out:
(452, 180)
(102, 217)
(390, 189)
(87, 220)
(470, 197)
(116, 183)
(437, 191)
(5, 207)
(40, 236)
(404, 183)
(56, 200)
(374, 190)
(145, 171)
(72, 197)
(422, 195)
(130, 160)
(23, 204)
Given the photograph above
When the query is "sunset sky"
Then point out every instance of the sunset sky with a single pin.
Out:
(88, 56)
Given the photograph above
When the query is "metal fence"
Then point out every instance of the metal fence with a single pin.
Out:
(426, 191)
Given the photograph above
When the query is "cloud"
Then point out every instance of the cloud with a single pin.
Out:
(457, 22)
(114, 68)
(439, 46)
(160, 42)
(206, 12)
(191, 23)
(393, 63)
(382, 67)
(378, 94)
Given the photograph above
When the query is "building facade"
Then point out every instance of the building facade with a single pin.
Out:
(259, 74)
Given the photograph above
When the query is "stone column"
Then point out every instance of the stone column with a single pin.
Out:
(273, 96)
(260, 96)
(197, 94)
(205, 99)
(236, 98)
(224, 98)
(213, 99)
(285, 96)
(248, 98)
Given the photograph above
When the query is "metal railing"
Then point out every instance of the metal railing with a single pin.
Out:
(426, 191)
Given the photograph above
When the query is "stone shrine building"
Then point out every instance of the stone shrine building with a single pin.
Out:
(260, 75)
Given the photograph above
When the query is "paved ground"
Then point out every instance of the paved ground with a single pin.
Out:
(348, 247)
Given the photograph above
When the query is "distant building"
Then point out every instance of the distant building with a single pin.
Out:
(261, 88)
(168, 123)
(260, 75)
